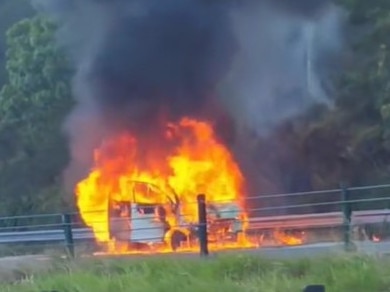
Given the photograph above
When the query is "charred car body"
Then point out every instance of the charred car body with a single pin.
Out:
(153, 218)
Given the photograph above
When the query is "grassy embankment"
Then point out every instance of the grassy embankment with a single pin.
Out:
(225, 273)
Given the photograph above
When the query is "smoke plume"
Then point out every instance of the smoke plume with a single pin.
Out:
(258, 61)
(283, 62)
(288, 53)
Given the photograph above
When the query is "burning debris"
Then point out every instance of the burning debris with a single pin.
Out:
(152, 129)
(291, 238)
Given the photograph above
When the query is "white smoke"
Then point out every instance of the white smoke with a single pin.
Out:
(281, 68)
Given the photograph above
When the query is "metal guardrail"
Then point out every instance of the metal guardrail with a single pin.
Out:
(55, 235)
(340, 203)
(332, 219)
(297, 221)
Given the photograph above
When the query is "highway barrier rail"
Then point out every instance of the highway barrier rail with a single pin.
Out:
(345, 210)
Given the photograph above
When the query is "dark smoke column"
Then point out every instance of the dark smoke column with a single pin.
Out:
(136, 60)
(140, 60)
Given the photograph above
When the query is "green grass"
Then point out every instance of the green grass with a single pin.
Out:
(222, 274)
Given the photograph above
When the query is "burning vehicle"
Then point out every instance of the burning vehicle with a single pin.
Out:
(145, 198)
(145, 222)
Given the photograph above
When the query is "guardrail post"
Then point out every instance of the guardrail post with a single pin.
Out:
(347, 214)
(67, 225)
(202, 225)
(314, 288)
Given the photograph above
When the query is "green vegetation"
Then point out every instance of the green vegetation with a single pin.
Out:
(349, 142)
(227, 273)
(11, 11)
(33, 106)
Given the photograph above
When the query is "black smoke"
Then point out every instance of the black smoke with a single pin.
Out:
(149, 53)
(137, 60)
(172, 53)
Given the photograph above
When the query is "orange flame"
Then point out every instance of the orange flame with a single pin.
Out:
(288, 239)
(195, 163)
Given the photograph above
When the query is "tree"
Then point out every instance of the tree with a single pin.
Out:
(33, 105)
(351, 142)
(11, 11)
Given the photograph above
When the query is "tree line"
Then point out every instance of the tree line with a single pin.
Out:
(349, 142)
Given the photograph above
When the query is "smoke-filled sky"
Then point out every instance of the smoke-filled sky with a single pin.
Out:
(281, 67)
(257, 60)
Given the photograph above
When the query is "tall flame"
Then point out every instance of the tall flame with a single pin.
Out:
(196, 163)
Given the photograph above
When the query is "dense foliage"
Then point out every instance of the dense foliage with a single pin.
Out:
(11, 11)
(33, 105)
(348, 142)
(351, 142)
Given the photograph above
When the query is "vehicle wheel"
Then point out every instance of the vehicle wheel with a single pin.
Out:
(177, 238)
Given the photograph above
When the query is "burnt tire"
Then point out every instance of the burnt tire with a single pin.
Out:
(176, 239)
